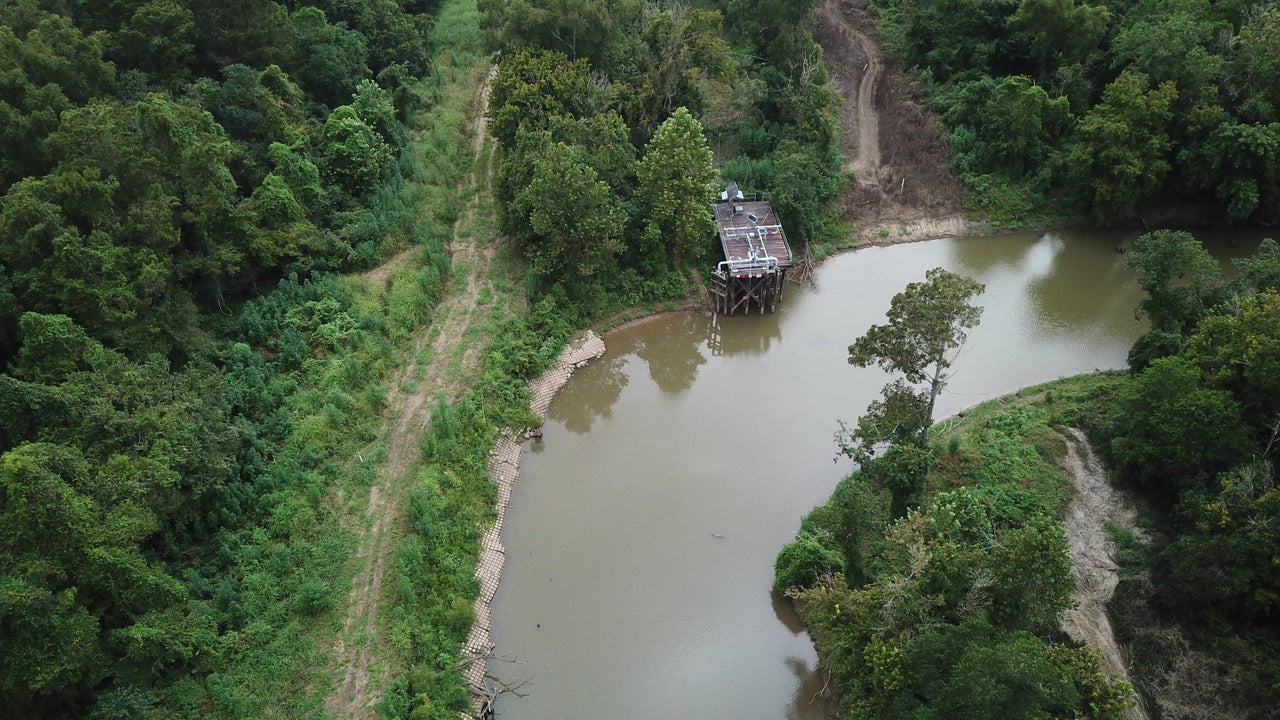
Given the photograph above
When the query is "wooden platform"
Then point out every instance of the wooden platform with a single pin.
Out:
(757, 255)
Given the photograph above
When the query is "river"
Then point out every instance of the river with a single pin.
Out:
(642, 532)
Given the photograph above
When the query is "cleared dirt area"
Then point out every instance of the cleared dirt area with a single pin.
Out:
(899, 155)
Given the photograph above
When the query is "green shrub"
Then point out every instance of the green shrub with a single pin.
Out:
(802, 562)
(313, 598)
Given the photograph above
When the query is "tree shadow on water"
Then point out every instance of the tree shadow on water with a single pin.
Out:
(590, 394)
(674, 354)
(812, 699)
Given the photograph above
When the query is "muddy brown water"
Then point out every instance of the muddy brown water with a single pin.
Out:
(641, 536)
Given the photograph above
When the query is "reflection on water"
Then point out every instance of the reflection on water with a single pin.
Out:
(786, 613)
(590, 396)
(812, 694)
(674, 364)
(1076, 290)
(979, 256)
(641, 536)
(748, 335)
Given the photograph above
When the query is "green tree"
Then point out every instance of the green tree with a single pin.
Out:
(802, 562)
(333, 58)
(1221, 568)
(578, 29)
(395, 36)
(1181, 281)
(531, 89)
(928, 322)
(47, 66)
(605, 144)
(1241, 163)
(801, 180)
(976, 672)
(1262, 271)
(73, 568)
(776, 28)
(576, 219)
(1122, 146)
(952, 38)
(139, 210)
(1031, 581)
(1171, 434)
(1017, 131)
(684, 51)
(158, 39)
(1239, 351)
(900, 416)
(355, 156)
(252, 32)
(1255, 65)
(1173, 46)
(677, 185)
(1061, 32)
(53, 347)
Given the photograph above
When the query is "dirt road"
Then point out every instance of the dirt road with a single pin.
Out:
(362, 646)
(899, 155)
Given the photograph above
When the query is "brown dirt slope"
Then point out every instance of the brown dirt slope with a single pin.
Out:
(1096, 505)
(896, 150)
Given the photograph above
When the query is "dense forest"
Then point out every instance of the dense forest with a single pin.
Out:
(185, 372)
(613, 117)
(1109, 109)
(934, 578)
(194, 370)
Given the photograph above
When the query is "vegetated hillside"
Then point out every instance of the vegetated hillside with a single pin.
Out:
(1111, 110)
(1194, 429)
(612, 117)
(185, 376)
(949, 608)
(193, 390)
(934, 578)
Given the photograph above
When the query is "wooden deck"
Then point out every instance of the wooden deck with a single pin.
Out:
(750, 231)
(757, 256)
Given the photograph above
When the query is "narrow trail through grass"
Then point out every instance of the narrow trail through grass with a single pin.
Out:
(444, 357)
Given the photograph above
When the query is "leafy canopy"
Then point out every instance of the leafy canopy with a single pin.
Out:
(676, 177)
(927, 320)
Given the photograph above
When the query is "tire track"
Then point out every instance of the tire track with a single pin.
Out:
(359, 647)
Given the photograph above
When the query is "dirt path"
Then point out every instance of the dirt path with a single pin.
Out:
(860, 122)
(361, 649)
(1093, 565)
(897, 152)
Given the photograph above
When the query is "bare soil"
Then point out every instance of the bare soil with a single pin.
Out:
(361, 645)
(898, 153)
(1095, 506)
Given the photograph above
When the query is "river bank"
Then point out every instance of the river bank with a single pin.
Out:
(645, 463)
(943, 590)
(504, 470)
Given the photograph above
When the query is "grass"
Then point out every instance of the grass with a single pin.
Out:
(291, 572)
(1077, 401)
